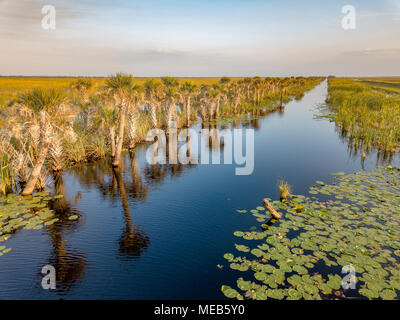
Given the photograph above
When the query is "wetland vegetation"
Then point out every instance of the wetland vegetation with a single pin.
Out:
(46, 130)
(352, 221)
(366, 113)
(355, 222)
(90, 133)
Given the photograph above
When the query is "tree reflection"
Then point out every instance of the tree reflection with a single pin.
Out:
(69, 263)
(139, 188)
(133, 241)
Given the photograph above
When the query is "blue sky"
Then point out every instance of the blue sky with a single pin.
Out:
(200, 38)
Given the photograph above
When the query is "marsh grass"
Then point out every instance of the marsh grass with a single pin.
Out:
(6, 176)
(367, 117)
(285, 189)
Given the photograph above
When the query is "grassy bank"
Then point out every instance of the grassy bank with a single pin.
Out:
(366, 113)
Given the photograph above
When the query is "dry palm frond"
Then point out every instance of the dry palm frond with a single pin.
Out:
(70, 133)
(56, 154)
(20, 166)
(153, 114)
(5, 146)
(46, 129)
(17, 159)
(43, 180)
(34, 134)
(22, 110)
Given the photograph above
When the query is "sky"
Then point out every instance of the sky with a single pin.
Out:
(200, 38)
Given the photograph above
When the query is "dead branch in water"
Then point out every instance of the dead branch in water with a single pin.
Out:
(271, 210)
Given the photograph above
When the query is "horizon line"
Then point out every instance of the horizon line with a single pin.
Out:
(197, 77)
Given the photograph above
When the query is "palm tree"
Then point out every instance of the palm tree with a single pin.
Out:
(119, 87)
(257, 83)
(213, 97)
(189, 90)
(204, 104)
(247, 83)
(152, 90)
(135, 99)
(224, 80)
(283, 89)
(106, 119)
(171, 96)
(234, 97)
(219, 94)
(38, 103)
(81, 89)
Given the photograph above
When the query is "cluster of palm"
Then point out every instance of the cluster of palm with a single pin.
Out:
(46, 130)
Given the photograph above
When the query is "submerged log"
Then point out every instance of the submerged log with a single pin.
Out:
(271, 210)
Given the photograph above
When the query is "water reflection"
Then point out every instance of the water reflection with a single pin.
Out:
(139, 189)
(133, 242)
(69, 263)
(132, 183)
(356, 147)
(112, 185)
(127, 241)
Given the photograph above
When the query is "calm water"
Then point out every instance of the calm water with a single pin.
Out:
(159, 232)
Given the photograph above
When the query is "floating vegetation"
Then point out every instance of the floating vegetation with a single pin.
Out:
(355, 221)
(30, 213)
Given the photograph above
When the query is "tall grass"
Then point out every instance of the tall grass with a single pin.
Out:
(284, 189)
(366, 116)
(6, 176)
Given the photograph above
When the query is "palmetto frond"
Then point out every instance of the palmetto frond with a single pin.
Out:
(119, 87)
(82, 84)
(42, 99)
(152, 86)
(170, 82)
(44, 179)
(106, 117)
(56, 154)
(120, 83)
(20, 165)
(188, 87)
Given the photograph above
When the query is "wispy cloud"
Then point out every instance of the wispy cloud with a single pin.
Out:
(184, 38)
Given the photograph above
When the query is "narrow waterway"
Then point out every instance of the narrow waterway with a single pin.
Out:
(159, 232)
